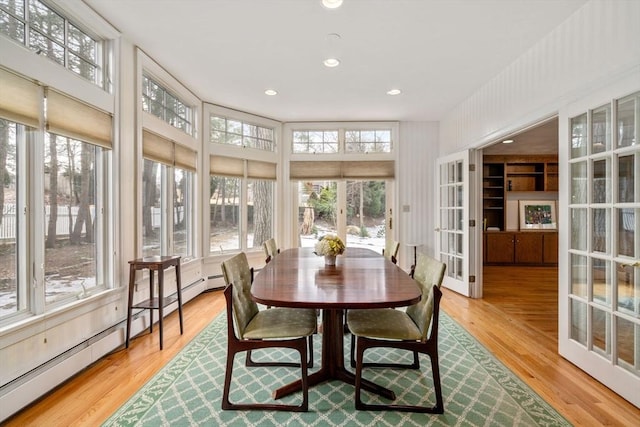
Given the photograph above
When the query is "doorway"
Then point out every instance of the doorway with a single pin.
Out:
(506, 244)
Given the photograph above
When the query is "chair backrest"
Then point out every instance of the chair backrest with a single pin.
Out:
(390, 251)
(428, 272)
(270, 248)
(236, 270)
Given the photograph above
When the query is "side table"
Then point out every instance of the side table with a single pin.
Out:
(154, 264)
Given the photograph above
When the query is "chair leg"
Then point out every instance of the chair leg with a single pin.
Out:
(361, 345)
(435, 368)
(251, 363)
(300, 345)
(414, 365)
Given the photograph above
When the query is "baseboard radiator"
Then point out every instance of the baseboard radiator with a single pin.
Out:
(29, 387)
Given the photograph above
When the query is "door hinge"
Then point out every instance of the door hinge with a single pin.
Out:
(472, 223)
(472, 167)
(472, 279)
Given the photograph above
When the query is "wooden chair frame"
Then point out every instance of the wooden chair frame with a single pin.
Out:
(428, 347)
(248, 358)
(236, 345)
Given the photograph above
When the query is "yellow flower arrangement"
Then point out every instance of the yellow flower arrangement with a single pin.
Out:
(329, 244)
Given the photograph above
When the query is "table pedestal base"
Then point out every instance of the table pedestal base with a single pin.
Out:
(332, 367)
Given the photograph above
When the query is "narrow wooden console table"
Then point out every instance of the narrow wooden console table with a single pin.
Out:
(153, 264)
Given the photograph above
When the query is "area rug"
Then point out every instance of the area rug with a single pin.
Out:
(478, 390)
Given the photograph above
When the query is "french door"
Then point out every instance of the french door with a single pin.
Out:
(354, 210)
(599, 325)
(454, 233)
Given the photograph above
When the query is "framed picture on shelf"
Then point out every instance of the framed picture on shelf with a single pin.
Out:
(537, 214)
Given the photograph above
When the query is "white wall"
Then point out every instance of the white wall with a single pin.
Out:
(415, 187)
(596, 45)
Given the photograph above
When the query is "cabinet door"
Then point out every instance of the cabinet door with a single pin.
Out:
(528, 248)
(550, 251)
(499, 248)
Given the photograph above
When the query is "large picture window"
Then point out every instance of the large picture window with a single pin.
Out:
(241, 183)
(54, 187)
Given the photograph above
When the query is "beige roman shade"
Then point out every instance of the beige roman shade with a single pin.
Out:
(234, 167)
(20, 99)
(163, 150)
(69, 117)
(261, 170)
(318, 170)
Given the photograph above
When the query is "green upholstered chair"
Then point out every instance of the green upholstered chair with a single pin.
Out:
(237, 270)
(249, 328)
(415, 330)
(390, 250)
(270, 249)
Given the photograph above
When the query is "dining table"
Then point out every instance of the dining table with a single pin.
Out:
(361, 279)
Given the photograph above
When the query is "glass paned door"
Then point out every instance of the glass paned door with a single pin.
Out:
(603, 299)
(452, 232)
(317, 210)
(354, 210)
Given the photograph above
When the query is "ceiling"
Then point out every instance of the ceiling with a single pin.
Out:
(438, 52)
(541, 139)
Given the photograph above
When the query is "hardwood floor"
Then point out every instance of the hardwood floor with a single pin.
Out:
(516, 320)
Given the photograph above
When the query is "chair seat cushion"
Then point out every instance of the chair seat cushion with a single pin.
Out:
(280, 323)
(384, 323)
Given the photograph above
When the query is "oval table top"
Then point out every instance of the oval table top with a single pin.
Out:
(361, 278)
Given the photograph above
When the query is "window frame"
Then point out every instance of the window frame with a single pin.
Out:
(246, 155)
(101, 61)
(146, 66)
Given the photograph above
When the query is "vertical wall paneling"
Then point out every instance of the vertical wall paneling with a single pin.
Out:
(415, 186)
(595, 45)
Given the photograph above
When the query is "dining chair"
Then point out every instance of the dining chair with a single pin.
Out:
(270, 249)
(249, 328)
(391, 250)
(237, 270)
(422, 273)
(415, 330)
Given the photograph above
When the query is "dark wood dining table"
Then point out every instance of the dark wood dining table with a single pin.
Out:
(361, 279)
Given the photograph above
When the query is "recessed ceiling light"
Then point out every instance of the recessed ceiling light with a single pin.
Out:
(270, 92)
(394, 92)
(331, 62)
(332, 4)
(507, 141)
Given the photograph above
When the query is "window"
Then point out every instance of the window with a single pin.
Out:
(55, 237)
(40, 28)
(315, 141)
(73, 217)
(164, 105)
(224, 214)
(236, 132)
(368, 141)
(13, 136)
(167, 198)
(241, 183)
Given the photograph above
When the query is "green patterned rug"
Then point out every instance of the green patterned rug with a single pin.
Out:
(478, 390)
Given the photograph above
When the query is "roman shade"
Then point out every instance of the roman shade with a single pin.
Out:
(235, 167)
(69, 117)
(163, 150)
(313, 170)
(20, 99)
